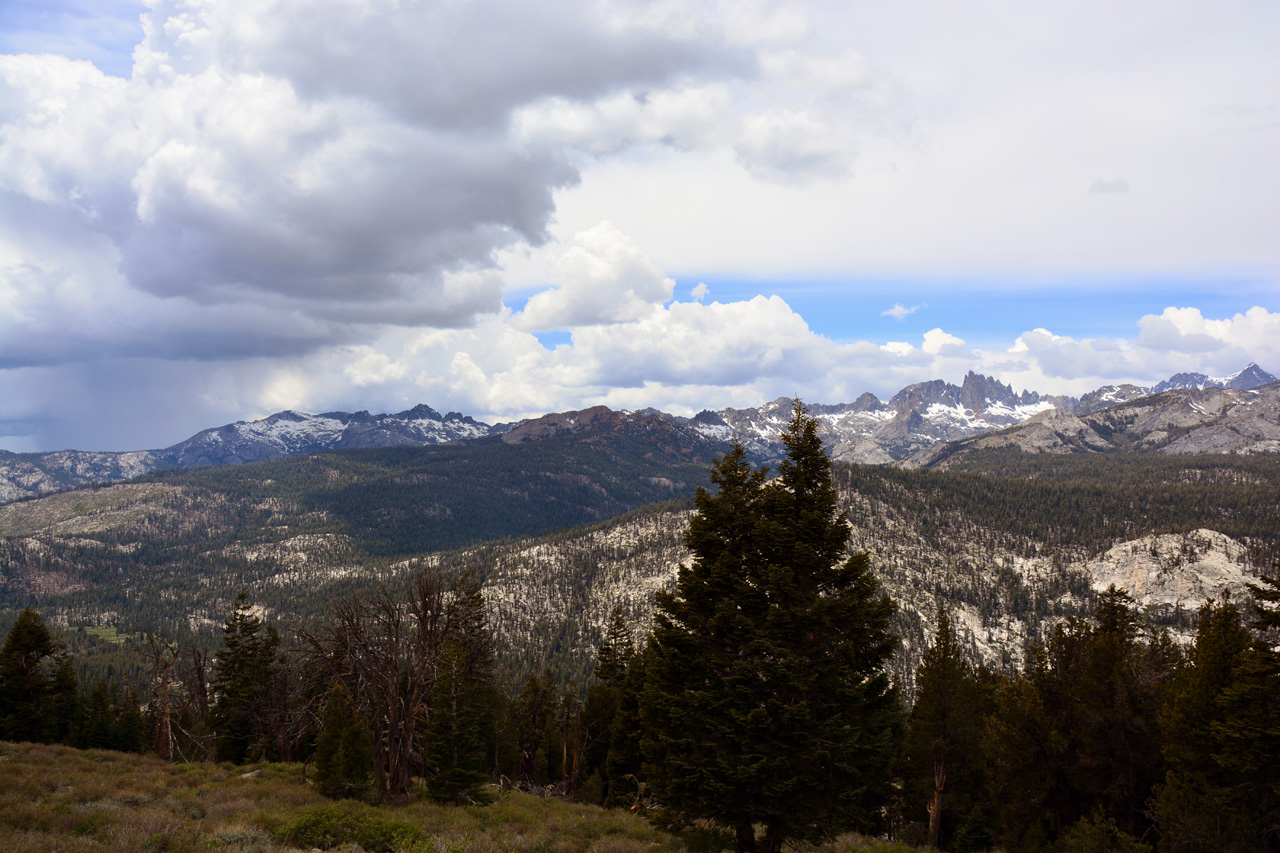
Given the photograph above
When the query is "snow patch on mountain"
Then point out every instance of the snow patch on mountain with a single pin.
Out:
(290, 433)
(288, 429)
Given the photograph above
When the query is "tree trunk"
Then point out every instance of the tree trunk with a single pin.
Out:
(746, 838)
(380, 763)
(935, 807)
(164, 730)
(577, 762)
(162, 656)
(526, 767)
(400, 750)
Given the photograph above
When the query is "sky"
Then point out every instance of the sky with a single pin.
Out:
(212, 211)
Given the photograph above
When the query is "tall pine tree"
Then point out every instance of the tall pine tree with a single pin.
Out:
(767, 700)
(33, 682)
(944, 736)
(242, 675)
(1077, 734)
(624, 761)
(1247, 733)
(600, 709)
(532, 713)
(1194, 808)
(461, 703)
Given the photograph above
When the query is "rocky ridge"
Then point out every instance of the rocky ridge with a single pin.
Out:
(287, 433)
(24, 475)
(917, 421)
(926, 415)
(1181, 421)
(873, 432)
(1251, 377)
(296, 433)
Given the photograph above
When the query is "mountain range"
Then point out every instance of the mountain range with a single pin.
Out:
(926, 414)
(1187, 422)
(914, 427)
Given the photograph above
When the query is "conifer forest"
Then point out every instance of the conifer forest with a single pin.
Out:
(789, 679)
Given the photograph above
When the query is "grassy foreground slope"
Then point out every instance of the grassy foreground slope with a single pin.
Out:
(55, 799)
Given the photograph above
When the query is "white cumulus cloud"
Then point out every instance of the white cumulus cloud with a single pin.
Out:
(938, 342)
(600, 276)
(898, 312)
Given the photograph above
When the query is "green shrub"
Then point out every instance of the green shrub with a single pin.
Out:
(240, 841)
(1096, 835)
(706, 839)
(344, 756)
(330, 825)
(974, 834)
(592, 790)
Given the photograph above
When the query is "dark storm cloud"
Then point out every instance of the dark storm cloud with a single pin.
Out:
(70, 304)
(380, 233)
(277, 178)
(470, 64)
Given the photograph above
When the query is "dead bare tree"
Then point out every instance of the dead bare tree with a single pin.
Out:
(286, 717)
(163, 656)
(386, 653)
(194, 675)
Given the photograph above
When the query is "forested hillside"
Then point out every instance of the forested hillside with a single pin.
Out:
(1009, 553)
(1087, 503)
(1015, 541)
(398, 501)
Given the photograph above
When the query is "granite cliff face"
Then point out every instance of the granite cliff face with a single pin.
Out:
(1174, 570)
